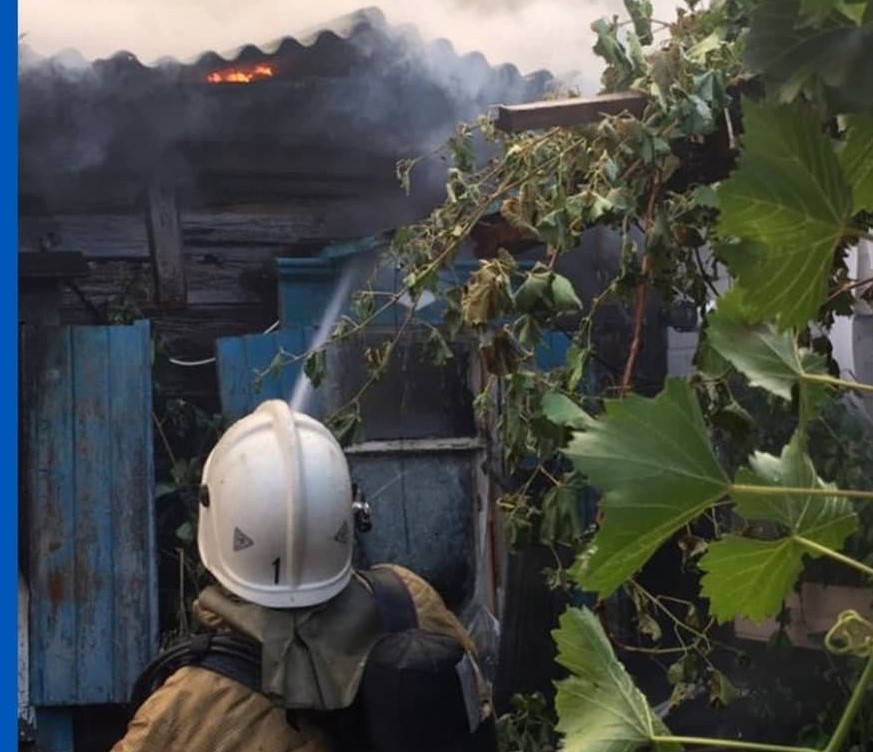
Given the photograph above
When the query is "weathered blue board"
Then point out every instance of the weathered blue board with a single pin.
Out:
(242, 359)
(88, 505)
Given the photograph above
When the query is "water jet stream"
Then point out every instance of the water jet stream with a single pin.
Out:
(353, 273)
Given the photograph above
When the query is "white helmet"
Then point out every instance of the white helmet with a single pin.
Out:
(276, 521)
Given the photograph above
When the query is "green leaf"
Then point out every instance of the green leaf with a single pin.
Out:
(546, 291)
(790, 201)
(751, 578)
(827, 520)
(561, 410)
(531, 292)
(315, 367)
(708, 362)
(527, 331)
(653, 461)
(345, 425)
(819, 8)
(640, 12)
(735, 419)
(599, 707)
(165, 489)
(438, 351)
(722, 692)
(768, 358)
(748, 577)
(794, 54)
(561, 521)
(705, 196)
(564, 297)
(857, 161)
(623, 65)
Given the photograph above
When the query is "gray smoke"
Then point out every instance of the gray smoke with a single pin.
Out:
(532, 34)
(432, 66)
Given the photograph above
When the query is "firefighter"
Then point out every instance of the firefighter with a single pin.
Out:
(329, 672)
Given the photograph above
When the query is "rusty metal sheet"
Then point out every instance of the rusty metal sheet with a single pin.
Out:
(89, 511)
(424, 510)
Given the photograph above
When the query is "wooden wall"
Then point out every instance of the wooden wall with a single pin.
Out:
(227, 258)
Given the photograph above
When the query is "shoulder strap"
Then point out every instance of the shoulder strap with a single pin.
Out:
(393, 601)
(233, 655)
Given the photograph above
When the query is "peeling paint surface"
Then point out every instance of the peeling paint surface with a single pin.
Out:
(89, 511)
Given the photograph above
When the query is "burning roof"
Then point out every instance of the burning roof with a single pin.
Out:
(357, 84)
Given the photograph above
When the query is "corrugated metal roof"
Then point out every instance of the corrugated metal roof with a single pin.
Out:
(323, 40)
(354, 87)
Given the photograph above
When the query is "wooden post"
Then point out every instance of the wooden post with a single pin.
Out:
(568, 113)
(165, 246)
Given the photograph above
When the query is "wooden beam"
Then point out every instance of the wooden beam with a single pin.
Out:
(568, 113)
(51, 265)
(165, 246)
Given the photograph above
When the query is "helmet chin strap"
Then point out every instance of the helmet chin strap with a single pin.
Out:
(361, 510)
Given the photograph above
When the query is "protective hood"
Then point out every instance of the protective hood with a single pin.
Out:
(312, 658)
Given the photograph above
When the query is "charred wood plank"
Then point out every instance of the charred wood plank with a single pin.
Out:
(284, 228)
(568, 113)
(165, 244)
(51, 265)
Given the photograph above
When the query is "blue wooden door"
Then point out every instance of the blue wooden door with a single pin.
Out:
(88, 511)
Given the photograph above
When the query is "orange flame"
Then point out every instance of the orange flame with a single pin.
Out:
(240, 76)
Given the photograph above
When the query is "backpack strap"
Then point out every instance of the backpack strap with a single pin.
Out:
(393, 601)
(233, 655)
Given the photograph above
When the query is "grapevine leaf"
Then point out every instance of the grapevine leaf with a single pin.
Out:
(708, 362)
(640, 12)
(791, 204)
(545, 290)
(599, 707)
(531, 291)
(769, 359)
(857, 160)
(165, 489)
(315, 367)
(825, 520)
(653, 461)
(818, 7)
(722, 692)
(793, 53)
(437, 349)
(748, 577)
(735, 419)
(751, 578)
(564, 297)
(562, 411)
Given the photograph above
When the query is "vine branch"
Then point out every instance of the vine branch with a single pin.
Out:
(728, 744)
(641, 294)
(791, 491)
(835, 555)
(857, 698)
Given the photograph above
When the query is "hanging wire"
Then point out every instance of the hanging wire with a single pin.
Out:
(210, 361)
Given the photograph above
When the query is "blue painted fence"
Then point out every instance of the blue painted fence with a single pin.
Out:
(88, 507)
